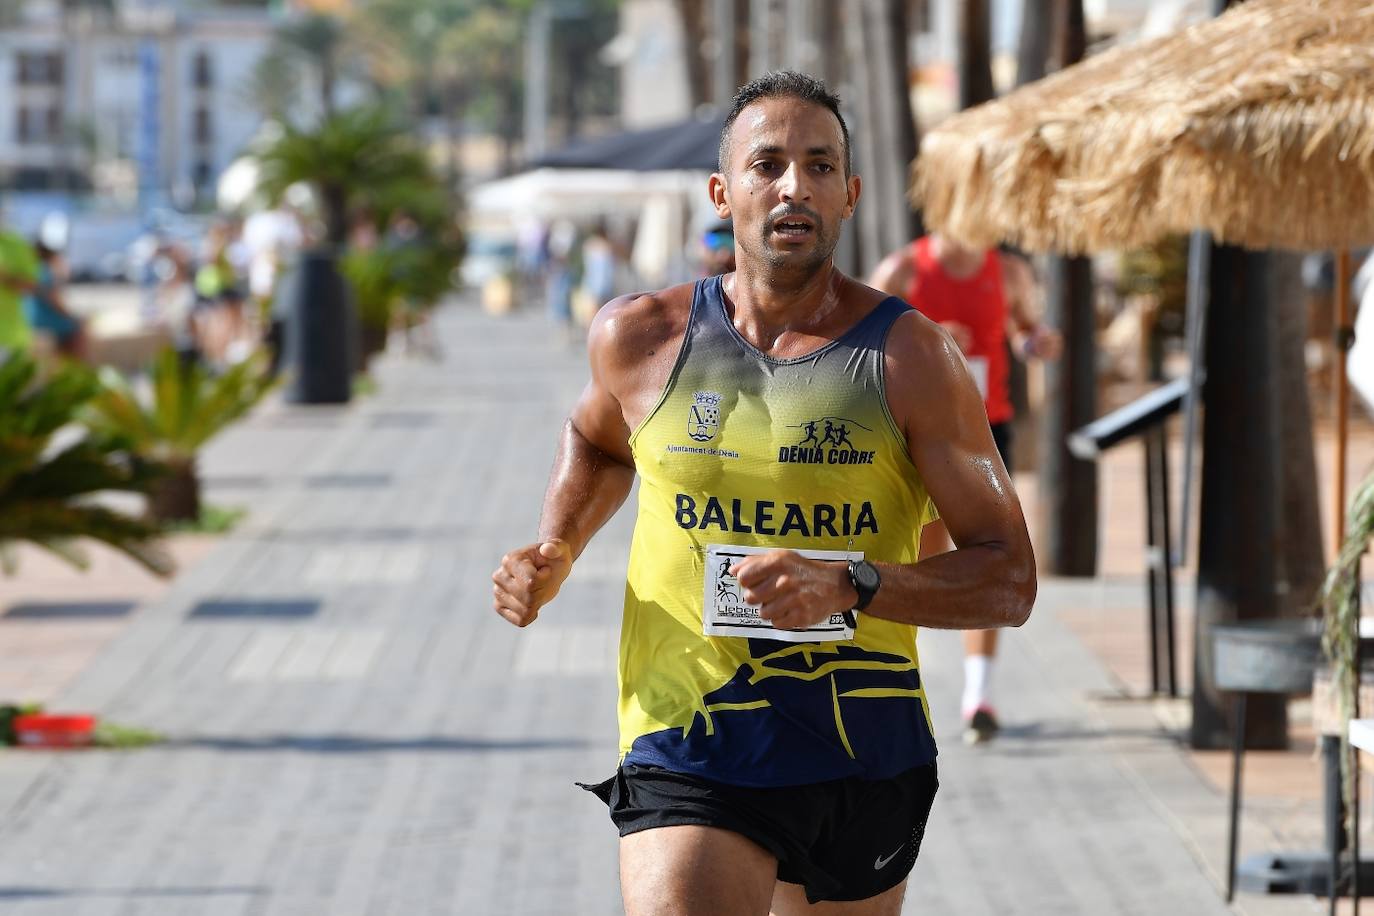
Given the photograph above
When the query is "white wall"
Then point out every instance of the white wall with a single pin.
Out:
(653, 68)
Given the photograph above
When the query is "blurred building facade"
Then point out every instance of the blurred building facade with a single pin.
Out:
(148, 99)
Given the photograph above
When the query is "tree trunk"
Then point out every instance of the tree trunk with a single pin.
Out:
(897, 30)
(692, 15)
(371, 342)
(1070, 33)
(455, 104)
(1239, 532)
(881, 65)
(327, 84)
(1067, 539)
(176, 496)
(1033, 49)
(335, 201)
(743, 40)
(510, 126)
(1304, 562)
(576, 62)
(975, 54)
(867, 223)
(1068, 519)
(1033, 54)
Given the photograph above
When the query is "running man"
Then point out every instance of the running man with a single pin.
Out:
(983, 299)
(794, 763)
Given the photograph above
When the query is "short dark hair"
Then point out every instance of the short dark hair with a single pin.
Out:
(781, 84)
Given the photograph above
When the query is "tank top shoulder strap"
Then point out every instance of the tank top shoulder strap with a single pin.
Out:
(708, 331)
(871, 331)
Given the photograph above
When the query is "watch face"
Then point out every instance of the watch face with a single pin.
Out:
(865, 576)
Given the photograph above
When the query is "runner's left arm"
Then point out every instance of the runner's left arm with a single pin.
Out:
(988, 580)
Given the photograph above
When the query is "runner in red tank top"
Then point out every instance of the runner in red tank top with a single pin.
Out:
(975, 303)
(984, 300)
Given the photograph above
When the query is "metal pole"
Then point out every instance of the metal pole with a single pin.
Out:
(1199, 270)
(1152, 553)
(1334, 815)
(1344, 334)
(1237, 754)
(1354, 762)
(1166, 568)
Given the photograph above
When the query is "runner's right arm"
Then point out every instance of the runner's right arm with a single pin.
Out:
(593, 470)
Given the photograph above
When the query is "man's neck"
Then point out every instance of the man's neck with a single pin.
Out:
(767, 305)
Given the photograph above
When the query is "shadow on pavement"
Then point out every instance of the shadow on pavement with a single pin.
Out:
(53, 893)
(239, 608)
(69, 610)
(361, 744)
(1057, 731)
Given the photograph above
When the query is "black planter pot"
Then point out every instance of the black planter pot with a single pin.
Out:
(321, 331)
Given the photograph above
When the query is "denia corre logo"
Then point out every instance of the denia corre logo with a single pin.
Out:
(703, 417)
(827, 440)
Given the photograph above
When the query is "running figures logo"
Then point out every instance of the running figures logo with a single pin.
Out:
(703, 417)
(827, 440)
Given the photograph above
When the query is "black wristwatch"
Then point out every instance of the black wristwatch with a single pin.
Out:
(863, 575)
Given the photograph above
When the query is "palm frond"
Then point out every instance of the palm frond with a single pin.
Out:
(187, 407)
(45, 491)
(1340, 601)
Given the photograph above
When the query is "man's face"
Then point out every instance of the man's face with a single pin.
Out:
(786, 189)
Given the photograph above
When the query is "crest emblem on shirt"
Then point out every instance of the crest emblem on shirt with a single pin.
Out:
(703, 417)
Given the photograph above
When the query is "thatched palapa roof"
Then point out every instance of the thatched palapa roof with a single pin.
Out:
(1257, 126)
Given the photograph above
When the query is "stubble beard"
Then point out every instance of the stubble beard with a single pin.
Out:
(785, 270)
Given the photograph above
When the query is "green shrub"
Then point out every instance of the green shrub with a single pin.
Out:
(52, 468)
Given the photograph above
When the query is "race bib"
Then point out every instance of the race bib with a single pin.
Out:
(978, 367)
(725, 613)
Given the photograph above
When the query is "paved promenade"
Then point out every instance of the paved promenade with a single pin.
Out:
(353, 731)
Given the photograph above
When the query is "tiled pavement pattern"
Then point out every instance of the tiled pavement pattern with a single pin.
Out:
(354, 732)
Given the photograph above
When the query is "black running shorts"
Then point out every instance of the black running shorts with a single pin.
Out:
(847, 839)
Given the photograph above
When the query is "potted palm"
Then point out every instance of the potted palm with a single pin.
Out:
(184, 408)
(52, 470)
(348, 159)
(372, 275)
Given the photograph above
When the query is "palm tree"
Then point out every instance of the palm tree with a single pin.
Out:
(51, 469)
(319, 38)
(272, 88)
(351, 156)
(188, 406)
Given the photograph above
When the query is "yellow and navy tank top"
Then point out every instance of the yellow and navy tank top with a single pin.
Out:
(746, 450)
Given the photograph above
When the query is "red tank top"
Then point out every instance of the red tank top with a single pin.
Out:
(980, 303)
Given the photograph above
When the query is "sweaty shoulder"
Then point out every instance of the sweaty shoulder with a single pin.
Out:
(633, 343)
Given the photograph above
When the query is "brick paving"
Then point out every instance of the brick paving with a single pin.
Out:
(354, 732)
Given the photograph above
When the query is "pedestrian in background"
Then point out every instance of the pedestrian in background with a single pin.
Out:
(45, 306)
(718, 248)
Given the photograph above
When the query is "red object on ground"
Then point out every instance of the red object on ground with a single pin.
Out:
(44, 730)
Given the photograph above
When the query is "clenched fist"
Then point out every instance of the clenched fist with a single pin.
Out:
(793, 592)
(529, 578)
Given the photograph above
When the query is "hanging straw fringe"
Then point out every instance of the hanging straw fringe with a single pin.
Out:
(1256, 126)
